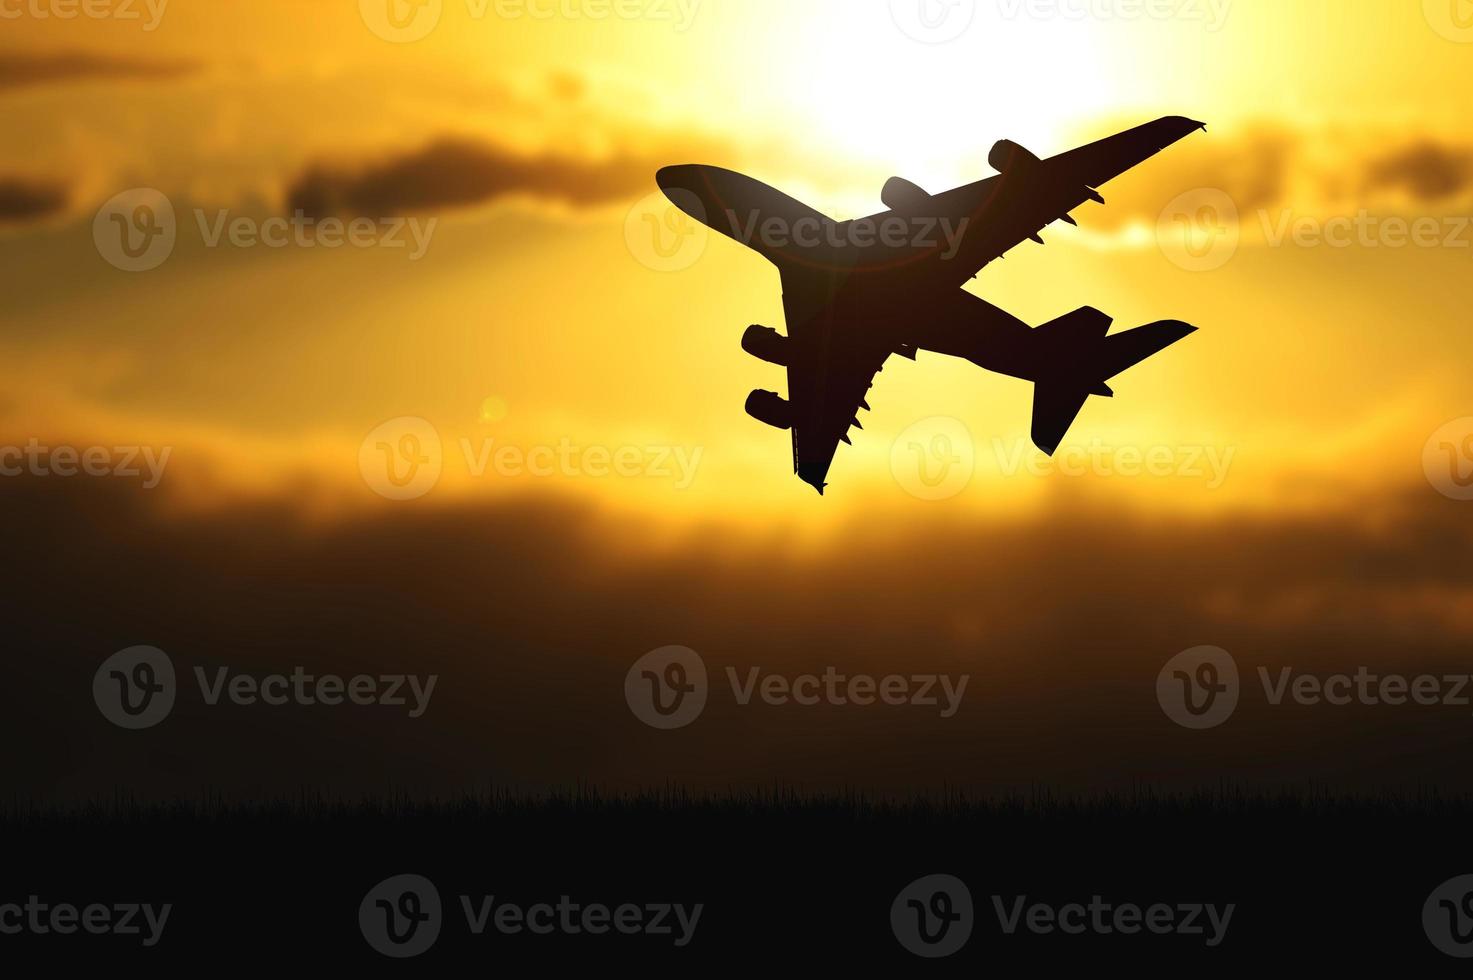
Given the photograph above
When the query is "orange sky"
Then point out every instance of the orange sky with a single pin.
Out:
(538, 319)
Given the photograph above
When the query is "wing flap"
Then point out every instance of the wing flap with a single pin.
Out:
(832, 408)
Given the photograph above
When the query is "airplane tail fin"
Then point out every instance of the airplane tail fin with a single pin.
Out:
(1076, 358)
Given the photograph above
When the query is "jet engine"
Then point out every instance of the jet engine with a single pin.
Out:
(766, 344)
(901, 195)
(770, 407)
(1007, 155)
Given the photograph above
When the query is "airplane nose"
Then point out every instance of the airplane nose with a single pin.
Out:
(686, 187)
(674, 178)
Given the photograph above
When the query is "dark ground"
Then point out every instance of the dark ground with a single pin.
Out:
(785, 882)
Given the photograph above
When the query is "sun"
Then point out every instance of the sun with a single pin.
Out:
(874, 96)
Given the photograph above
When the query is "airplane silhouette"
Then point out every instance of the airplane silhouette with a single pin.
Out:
(857, 291)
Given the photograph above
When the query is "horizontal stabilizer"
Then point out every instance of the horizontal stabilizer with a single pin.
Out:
(1134, 346)
(1078, 368)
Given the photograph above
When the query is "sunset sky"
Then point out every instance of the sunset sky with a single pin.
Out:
(530, 319)
(586, 486)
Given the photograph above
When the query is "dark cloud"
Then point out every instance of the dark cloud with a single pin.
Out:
(25, 200)
(18, 69)
(532, 611)
(1252, 166)
(454, 173)
(1265, 166)
(1426, 169)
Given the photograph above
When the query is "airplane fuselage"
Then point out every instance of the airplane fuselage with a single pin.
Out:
(857, 291)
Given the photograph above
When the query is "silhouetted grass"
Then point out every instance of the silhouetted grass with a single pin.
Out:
(782, 804)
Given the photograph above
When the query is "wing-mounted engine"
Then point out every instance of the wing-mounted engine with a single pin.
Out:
(1007, 156)
(766, 344)
(771, 408)
(901, 195)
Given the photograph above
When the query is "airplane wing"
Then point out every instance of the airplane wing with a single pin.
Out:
(1103, 160)
(828, 378)
(1030, 194)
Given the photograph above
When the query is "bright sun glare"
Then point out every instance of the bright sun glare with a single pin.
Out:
(931, 111)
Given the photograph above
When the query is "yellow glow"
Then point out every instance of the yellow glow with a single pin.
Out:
(1322, 369)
